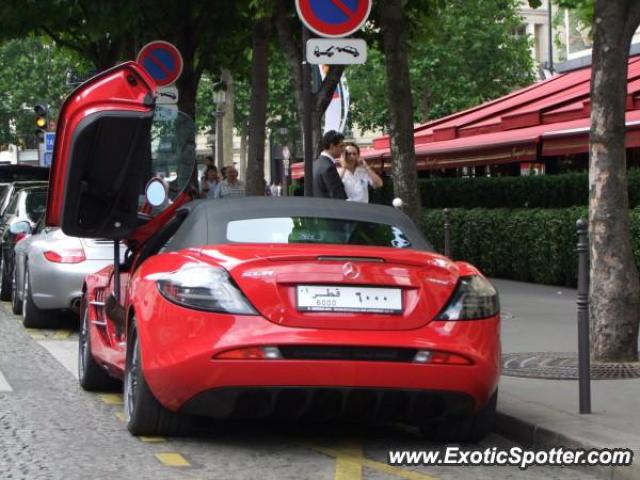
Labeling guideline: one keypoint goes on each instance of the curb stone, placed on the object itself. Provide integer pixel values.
(529, 434)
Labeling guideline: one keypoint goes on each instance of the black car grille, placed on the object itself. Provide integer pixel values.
(365, 354)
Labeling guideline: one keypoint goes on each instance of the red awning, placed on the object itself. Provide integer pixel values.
(549, 118)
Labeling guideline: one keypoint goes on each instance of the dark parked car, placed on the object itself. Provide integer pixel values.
(21, 173)
(27, 204)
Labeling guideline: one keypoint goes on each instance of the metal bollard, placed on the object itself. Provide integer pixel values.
(447, 233)
(584, 363)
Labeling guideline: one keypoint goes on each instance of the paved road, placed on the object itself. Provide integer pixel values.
(51, 429)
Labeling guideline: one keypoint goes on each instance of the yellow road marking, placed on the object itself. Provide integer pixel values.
(111, 398)
(349, 462)
(120, 416)
(372, 464)
(62, 334)
(38, 336)
(152, 439)
(172, 459)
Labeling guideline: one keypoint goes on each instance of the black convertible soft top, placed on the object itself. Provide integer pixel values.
(206, 220)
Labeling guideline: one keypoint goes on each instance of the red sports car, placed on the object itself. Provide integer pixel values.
(293, 308)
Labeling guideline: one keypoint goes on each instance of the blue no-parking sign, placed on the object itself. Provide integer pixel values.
(333, 18)
(162, 61)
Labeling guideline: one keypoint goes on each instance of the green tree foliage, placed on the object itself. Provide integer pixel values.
(102, 32)
(463, 53)
(33, 70)
(107, 32)
(281, 107)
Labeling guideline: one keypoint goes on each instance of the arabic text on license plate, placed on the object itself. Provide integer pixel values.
(349, 299)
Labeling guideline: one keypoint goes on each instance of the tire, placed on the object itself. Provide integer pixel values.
(32, 316)
(5, 279)
(91, 375)
(464, 429)
(143, 413)
(16, 301)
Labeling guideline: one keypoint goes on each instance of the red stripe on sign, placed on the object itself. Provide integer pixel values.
(160, 65)
(343, 7)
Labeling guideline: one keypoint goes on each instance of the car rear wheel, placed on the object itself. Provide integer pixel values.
(32, 316)
(91, 375)
(464, 429)
(16, 301)
(5, 279)
(143, 413)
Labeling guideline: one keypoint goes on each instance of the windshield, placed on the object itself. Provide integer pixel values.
(36, 204)
(316, 230)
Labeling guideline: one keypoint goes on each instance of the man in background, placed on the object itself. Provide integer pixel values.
(326, 181)
(231, 187)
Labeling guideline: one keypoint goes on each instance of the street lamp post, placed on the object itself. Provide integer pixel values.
(219, 98)
(286, 159)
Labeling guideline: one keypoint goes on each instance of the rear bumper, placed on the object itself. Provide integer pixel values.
(57, 285)
(317, 403)
(179, 347)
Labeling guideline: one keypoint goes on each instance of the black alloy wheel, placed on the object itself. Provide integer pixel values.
(32, 316)
(5, 277)
(143, 413)
(16, 301)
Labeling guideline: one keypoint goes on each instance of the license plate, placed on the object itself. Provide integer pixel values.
(317, 298)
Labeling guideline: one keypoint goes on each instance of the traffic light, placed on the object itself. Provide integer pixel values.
(42, 119)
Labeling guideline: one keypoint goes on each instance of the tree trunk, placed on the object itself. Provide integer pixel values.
(258, 113)
(187, 84)
(228, 119)
(242, 167)
(290, 43)
(405, 177)
(425, 101)
(615, 286)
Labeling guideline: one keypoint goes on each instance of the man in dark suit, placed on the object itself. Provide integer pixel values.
(326, 181)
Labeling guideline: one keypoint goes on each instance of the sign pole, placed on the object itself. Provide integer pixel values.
(306, 121)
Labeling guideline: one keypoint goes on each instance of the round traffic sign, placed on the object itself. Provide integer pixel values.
(162, 61)
(333, 18)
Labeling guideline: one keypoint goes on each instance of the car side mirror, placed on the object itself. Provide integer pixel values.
(156, 192)
(22, 227)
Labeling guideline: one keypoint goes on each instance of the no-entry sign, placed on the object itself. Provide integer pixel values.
(162, 61)
(333, 18)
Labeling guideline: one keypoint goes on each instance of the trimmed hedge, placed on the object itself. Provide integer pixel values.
(531, 245)
(545, 191)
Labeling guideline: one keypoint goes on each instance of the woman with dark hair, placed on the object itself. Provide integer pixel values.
(210, 182)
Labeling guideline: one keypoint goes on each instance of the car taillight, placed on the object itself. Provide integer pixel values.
(18, 237)
(70, 255)
(203, 287)
(474, 299)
